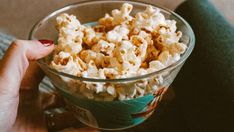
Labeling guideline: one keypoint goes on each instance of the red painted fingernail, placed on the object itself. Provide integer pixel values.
(46, 42)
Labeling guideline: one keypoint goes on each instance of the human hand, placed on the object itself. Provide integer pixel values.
(12, 70)
(21, 106)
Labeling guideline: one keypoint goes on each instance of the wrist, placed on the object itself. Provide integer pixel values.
(30, 112)
(8, 111)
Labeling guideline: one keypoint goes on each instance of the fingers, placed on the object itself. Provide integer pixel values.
(34, 74)
(38, 49)
(16, 61)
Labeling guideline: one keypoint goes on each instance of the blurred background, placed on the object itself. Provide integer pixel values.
(18, 16)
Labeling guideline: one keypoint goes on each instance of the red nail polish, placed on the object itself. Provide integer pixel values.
(46, 42)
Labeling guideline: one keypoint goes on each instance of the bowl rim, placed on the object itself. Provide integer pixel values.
(184, 56)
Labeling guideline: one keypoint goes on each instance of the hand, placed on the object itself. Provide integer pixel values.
(12, 70)
(21, 105)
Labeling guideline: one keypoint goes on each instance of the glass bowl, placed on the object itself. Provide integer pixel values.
(99, 112)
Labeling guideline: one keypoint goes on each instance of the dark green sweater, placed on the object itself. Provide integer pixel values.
(205, 86)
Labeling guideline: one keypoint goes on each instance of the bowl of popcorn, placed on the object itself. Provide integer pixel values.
(113, 60)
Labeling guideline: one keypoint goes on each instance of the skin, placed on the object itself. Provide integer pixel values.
(21, 105)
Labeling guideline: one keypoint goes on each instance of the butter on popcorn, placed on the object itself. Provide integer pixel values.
(121, 45)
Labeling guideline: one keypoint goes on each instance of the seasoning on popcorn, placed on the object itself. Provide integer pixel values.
(119, 46)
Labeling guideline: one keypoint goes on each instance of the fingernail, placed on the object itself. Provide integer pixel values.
(46, 42)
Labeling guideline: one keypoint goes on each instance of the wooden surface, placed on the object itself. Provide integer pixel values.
(18, 16)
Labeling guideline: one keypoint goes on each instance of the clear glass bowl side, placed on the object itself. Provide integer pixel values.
(101, 111)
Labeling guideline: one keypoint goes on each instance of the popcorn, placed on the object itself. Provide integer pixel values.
(141, 46)
(145, 35)
(101, 74)
(155, 66)
(92, 71)
(88, 55)
(68, 21)
(118, 17)
(97, 87)
(99, 36)
(64, 62)
(177, 48)
(107, 21)
(129, 62)
(109, 62)
(126, 91)
(141, 71)
(87, 92)
(104, 47)
(89, 35)
(110, 73)
(70, 34)
(119, 46)
(124, 51)
(99, 28)
(122, 15)
(111, 90)
(118, 34)
(168, 38)
(149, 19)
(165, 58)
(141, 87)
(152, 53)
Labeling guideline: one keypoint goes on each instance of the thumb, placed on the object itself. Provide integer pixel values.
(16, 61)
